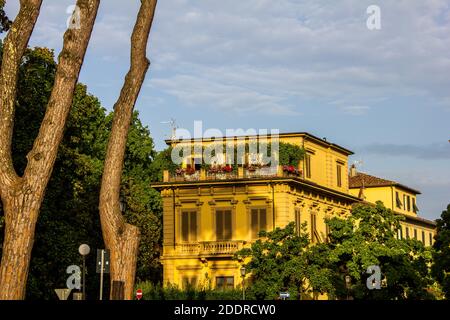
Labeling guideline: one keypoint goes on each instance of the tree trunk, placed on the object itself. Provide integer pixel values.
(122, 239)
(22, 196)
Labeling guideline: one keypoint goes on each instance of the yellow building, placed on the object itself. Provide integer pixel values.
(397, 197)
(208, 216)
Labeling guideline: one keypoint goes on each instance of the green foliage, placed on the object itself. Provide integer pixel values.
(5, 23)
(441, 257)
(280, 261)
(290, 154)
(368, 237)
(161, 162)
(172, 292)
(69, 213)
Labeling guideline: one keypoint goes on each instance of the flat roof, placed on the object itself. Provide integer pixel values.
(281, 135)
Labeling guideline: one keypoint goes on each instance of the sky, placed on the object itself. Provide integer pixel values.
(290, 65)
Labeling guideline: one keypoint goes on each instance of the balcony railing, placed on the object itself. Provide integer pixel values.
(209, 247)
(241, 173)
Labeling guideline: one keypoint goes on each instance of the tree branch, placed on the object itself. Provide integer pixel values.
(14, 48)
(111, 217)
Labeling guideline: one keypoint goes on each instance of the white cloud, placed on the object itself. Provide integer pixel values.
(356, 110)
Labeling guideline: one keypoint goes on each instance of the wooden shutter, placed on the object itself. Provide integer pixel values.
(308, 165)
(254, 223)
(185, 226)
(193, 226)
(262, 219)
(297, 221)
(227, 225)
(219, 225)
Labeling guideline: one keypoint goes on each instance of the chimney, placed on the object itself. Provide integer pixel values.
(353, 170)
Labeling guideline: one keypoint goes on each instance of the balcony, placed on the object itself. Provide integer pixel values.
(240, 173)
(209, 248)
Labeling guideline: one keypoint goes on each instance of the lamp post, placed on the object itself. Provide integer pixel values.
(348, 281)
(243, 282)
(84, 251)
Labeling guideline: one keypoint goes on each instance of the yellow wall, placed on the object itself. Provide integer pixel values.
(240, 199)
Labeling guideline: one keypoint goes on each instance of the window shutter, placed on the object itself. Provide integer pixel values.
(398, 201)
(254, 223)
(262, 219)
(193, 226)
(219, 225)
(185, 226)
(227, 225)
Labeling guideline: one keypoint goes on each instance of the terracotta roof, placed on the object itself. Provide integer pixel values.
(366, 180)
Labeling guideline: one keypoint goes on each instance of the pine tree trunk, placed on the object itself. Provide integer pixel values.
(122, 239)
(22, 196)
(18, 242)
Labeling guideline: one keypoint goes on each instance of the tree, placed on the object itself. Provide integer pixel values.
(22, 196)
(441, 266)
(280, 261)
(68, 215)
(368, 237)
(122, 238)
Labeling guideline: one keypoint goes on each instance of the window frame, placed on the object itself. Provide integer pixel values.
(225, 285)
(192, 237)
(259, 208)
(215, 223)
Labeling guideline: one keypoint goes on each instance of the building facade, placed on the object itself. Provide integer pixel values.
(209, 215)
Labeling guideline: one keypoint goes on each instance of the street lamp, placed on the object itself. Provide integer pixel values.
(348, 281)
(84, 251)
(243, 282)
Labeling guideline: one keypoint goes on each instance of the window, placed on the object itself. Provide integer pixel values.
(398, 201)
(400, 233)
(327, 229)
(407, 232)
(197, 163)
(189, 282)
(339, 175)
(415, 209)
(189, 226)
(431, 238)
(224, 283)
(258, 221)
(223, 225)
(298, 221)
(308, 165)
(408, 202)
(415, 234)
(314, 235)
(423, 237)
(404, 202)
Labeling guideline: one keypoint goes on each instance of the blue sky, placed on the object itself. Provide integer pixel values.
(291, 65)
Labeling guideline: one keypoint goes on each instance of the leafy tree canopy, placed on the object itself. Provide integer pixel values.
(280, 261)
(368, 237)
(441, 266)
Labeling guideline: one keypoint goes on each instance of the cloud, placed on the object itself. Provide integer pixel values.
(356, 110)
(430, 152)
(228, 98)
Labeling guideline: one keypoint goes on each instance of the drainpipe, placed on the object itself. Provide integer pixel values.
(173, 210)
(273, 206)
